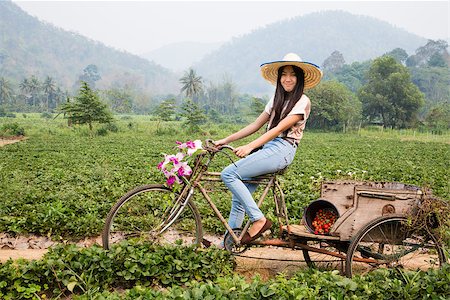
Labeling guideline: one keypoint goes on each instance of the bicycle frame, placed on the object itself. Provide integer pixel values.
(200, 175)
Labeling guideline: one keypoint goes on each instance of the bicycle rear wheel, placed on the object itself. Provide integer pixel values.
(153, 213)
(388, 242)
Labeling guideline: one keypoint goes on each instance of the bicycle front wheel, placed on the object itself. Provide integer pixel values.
(153, 213)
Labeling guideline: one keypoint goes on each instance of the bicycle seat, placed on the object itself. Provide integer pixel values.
(282, 171)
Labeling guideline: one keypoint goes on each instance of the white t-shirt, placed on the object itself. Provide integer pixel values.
(302, 107)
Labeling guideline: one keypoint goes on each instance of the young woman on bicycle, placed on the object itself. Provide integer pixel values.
(286, 114)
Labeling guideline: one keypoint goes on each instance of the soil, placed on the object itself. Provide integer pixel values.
(251, 262)
(10, 140)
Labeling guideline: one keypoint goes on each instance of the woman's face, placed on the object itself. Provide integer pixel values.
(288, 78)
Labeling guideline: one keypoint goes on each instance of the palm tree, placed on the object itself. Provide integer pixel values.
(30, 88)
(6, 91)
(192, 84)
(34, 86)
(229, 94)
(49, 88)
(24, 87)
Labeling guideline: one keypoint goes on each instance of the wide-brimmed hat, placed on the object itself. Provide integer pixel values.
(313, 74)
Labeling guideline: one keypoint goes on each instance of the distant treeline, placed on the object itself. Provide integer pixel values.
(394, 90)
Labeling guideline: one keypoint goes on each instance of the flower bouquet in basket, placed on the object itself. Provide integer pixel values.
(176, 166)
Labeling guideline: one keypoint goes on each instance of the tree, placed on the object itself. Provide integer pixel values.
(6, 91)
(31, 88)
(257, 106)
(389, 95)
(425, 53)
(353, 75)
(34, 89)
(193, 113)
(90, 75)
(192, 84)
(120, 100)
(434, 82)
(166, 109)
(437, 60)
(334, 106)
(227, 94)
(399, 54)
(439, 117)
(87, 108)
(334, 62)
(49, 88)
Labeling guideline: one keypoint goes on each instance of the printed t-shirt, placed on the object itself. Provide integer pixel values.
(302, 107)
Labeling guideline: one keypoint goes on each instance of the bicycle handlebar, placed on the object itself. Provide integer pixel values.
(209, 145)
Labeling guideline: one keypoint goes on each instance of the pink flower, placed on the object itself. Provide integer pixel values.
(194, 146)
(190, 144)
(173, 166)
(184, 169)
(171, 180)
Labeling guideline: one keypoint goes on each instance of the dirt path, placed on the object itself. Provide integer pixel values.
(10, 140)
(255, 260)
(28, 254)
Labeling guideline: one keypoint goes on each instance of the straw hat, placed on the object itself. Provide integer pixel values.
(313, 74)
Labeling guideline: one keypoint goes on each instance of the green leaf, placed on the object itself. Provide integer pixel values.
(71, 285)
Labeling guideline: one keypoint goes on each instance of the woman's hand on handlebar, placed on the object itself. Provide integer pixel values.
(220, 143)
(243, 151)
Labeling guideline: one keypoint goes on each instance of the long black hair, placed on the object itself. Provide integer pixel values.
(281, 95)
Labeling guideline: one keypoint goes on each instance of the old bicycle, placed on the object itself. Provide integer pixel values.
(370, 230)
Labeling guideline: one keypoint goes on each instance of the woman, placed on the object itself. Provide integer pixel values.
(286, 115)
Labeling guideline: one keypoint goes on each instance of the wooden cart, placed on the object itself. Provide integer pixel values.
(371, 230)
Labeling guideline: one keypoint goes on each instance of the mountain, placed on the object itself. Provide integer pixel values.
(31, 47)
(180, 56)
(314, 37)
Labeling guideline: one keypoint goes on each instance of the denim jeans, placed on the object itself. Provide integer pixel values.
(274, 156)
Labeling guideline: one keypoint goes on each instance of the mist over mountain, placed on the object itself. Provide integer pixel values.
(31, 47)
(314, 37)
(180, 56)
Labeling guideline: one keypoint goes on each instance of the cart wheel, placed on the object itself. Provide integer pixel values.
(229, 243)
(387, 242)
(322, 261)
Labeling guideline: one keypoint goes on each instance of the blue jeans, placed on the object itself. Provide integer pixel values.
(274, 156)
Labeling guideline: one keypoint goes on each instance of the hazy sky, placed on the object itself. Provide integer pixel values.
(141, 26)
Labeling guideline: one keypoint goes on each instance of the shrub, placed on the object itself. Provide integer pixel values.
(11, 129)
(46, 115)
(112, 127)
(102, 131)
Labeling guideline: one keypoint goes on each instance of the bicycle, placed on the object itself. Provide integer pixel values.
(159, 214)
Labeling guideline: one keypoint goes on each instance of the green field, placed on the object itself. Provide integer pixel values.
(62, 181)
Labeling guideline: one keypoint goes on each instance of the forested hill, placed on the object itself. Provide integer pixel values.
(31, 47)
(314, 37)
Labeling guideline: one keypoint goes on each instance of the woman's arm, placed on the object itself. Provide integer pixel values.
(246, 131)
(284, 124)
